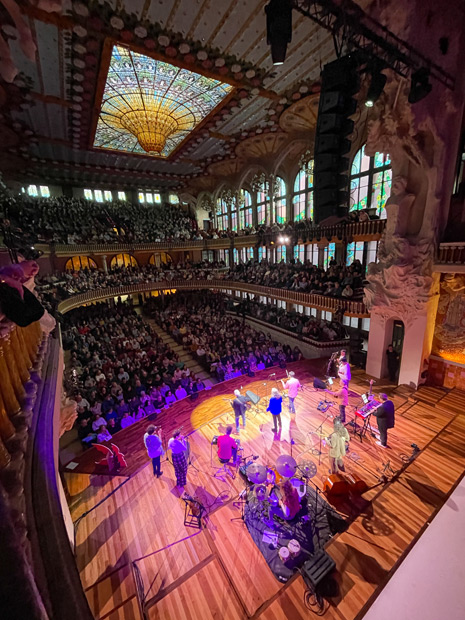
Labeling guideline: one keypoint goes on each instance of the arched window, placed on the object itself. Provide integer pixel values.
(160, 257)
(123, 260)
(80, 262)
(280, 200)
(303, 193)
(263, 204)
(245, 209)
(221, 214)
(370, 182)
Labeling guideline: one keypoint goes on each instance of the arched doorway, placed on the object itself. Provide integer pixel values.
(123, 260)
(159, 258)
(76, 263)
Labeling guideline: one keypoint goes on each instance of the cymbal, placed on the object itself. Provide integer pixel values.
(256, 473)
(307, 468)
(286, 465)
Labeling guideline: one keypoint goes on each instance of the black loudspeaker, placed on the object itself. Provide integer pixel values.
(340, 81)
(318, 384)
(318, 567)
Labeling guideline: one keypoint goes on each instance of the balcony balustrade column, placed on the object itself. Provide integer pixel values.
(7, 392)
(104, 263)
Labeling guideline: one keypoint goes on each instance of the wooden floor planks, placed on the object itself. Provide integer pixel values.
(189, 574)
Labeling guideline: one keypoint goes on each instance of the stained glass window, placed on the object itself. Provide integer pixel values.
(302, 199)
(263, 205)
(88, 194)
(123, 260)
(222, 218)
(121, 195)
(149, 198)
(236, 256)
(149, 106)
(108, 195)
(173, 198)
(98, 195)
(76, 263)
(280, 201)
(157, 198)
(261, 253)
(32, 191)
(370, 182)
(330, 251)
(44, 191)
(141, 197)
(281, 251)
(249, 253)
(245, 209)
(299, 252)
(354, 251)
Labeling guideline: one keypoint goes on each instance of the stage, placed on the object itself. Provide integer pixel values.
(136, 535)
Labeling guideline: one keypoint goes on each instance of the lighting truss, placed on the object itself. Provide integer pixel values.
(352, 27)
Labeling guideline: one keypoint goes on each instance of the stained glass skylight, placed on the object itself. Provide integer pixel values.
(149, 107)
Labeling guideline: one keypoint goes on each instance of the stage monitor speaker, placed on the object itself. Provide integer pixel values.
(318, 384)
(319, 566)
(254, 398)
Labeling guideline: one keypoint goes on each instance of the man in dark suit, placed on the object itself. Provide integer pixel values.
(385, 418)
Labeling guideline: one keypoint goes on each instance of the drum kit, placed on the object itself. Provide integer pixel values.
(265, 492)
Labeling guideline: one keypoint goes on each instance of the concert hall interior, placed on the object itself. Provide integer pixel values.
(232, 309)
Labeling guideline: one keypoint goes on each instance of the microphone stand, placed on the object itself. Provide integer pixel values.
(318, 430)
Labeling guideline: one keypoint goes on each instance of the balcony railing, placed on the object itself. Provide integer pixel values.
(451, 253)
(355, 231)
(320, 302)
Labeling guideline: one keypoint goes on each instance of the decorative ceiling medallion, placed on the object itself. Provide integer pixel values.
(150, 107)
(226, 168)
(301, 115)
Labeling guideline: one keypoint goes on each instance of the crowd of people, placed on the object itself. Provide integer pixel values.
(342, 281)
(223, 344)
(119, 371)
(76, 220)
(68, 220)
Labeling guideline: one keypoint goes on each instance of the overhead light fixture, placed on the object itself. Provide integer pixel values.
(420, 86)
(278, 28)
(378, 82)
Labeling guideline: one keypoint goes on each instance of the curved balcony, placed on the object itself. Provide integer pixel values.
(354, 231)
(330, 304)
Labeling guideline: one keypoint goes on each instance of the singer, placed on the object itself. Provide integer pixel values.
(293, 385)
(154, 447)
(178, 446)
(344, 372)
(275, 407)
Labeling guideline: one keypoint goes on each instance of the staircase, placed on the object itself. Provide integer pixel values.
(184, 356)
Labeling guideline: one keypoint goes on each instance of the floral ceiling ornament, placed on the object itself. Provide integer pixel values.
(229, 197)
(306, 161)
(258, 182)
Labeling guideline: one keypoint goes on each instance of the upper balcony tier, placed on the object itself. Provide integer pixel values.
(354, 231)
(451, 257)
(330, 304)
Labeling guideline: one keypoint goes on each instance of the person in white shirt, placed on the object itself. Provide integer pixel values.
(344, 372)
(154, 447)
(127, 420)
(98, 422)
(292, 385)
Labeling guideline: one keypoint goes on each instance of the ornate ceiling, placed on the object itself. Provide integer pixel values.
(50, 112)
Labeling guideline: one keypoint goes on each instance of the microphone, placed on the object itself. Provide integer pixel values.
(273, 375)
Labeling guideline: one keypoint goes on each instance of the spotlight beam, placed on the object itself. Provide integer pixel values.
(362, 32)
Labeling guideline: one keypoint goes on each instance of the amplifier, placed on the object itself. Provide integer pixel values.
(318, 567)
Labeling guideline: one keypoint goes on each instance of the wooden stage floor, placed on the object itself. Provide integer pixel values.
(135, 534)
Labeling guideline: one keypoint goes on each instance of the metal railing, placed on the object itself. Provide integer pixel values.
(372, 229)
(320, 302)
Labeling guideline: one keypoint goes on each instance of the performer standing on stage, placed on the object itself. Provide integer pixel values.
(385, 419)
(293, 385)
(239, 404)
(343, 394)
(337, 447)
(227, 447)
(154, 447)
(275, 407)
(178, 446)
(344, 372)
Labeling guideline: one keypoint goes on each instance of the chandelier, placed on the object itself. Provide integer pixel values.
(154, 121)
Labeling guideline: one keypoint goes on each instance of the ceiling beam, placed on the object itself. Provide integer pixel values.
(51, 99)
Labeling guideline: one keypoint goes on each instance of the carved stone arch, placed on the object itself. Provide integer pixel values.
(250, 171)
(291, 153)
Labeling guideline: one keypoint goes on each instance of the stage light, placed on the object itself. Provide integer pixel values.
(420, 86)
(378, 81)
(278, 28)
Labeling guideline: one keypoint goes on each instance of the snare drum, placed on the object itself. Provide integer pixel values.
(260, 492)
(284, 554)
(294, 548)
(272, 476)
